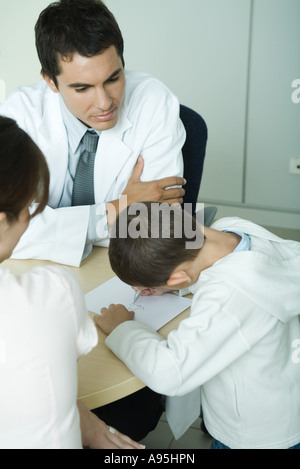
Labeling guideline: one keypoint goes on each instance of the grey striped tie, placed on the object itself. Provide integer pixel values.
(83, 188)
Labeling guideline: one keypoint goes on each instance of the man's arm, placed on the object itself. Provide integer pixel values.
(160, 190)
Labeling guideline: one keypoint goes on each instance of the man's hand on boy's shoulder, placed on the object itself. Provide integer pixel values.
(112, 317)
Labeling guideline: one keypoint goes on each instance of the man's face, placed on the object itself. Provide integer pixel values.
(92, 88)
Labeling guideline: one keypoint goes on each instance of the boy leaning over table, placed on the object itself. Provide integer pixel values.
(237, 345)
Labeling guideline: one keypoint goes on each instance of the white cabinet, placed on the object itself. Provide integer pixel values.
(270, 194)
(199, 48)
(234, 62)
(273, 133)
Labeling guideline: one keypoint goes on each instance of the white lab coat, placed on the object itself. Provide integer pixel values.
(238, 345)
(148, 125)
(44, 328)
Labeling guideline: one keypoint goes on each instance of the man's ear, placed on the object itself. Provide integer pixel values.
(177, 277)
(50, 83)
(3, 224)
(2, 216)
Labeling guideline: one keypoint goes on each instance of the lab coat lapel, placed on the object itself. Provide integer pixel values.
(58, 166)
(112, 154)
(54, 144)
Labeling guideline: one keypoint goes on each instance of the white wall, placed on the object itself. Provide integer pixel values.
(19, 64)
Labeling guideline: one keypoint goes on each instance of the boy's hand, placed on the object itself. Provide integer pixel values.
(112, 317)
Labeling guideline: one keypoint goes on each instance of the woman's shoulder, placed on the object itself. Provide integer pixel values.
(47, 284)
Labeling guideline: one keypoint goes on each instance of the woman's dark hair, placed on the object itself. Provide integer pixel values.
(24, 174)
(66, 27)
(149, 240)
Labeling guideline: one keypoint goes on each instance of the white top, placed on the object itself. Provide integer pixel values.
(148, 125)
(44, 328)
(238, 344)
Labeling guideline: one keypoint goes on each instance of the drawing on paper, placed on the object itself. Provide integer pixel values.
(135, 307)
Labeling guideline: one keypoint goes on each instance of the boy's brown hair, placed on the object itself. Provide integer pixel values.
(145, 248)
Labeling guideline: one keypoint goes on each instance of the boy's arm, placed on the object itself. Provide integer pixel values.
(204, 344)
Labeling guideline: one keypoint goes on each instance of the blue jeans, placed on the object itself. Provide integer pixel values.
(218, 445)
(215, 444)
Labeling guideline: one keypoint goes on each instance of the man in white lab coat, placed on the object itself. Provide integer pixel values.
(85, 87)
(138, 154)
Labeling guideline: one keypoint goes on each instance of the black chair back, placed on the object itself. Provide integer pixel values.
(193, 153)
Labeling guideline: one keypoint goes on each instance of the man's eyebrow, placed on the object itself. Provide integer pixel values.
(79, 85)
(87, 85)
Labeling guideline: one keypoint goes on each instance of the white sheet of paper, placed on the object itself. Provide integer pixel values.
(154, 311)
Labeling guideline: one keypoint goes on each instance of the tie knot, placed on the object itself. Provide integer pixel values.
(90, 141)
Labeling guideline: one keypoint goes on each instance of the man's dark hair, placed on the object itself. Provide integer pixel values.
(85, 27)
(148, 260)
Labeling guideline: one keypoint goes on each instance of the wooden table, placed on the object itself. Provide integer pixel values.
(102, 377)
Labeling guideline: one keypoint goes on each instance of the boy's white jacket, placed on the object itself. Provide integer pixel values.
(238, 344)
(148, 124)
